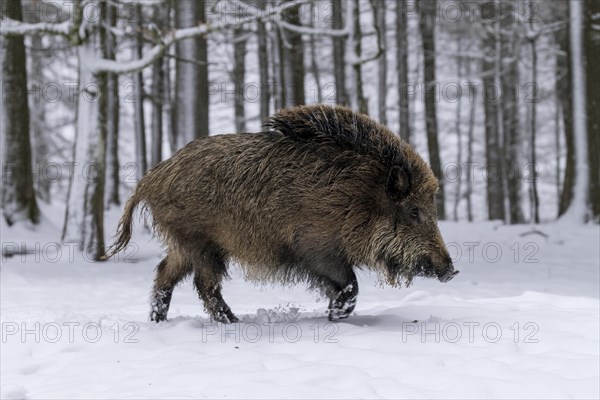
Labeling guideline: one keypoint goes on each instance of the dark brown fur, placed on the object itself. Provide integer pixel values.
(326, 191)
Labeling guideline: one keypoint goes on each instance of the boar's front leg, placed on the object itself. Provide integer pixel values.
(343, 298)
(207, 280)
(341, 287)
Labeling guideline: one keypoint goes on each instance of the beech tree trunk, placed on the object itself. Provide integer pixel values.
(84, 218)
(339, 54)
(190, 113)
(292, 58)
(402, 69)
(427, 27)
(592, 55)
(18, 195)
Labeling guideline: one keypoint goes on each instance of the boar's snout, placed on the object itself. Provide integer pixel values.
(447, 272)
(444, 270)
(447, 276)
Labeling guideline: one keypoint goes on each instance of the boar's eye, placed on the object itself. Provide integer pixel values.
(414, 214)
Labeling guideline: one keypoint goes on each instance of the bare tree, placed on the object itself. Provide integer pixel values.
(314, 64)
(112, 113)
(578, 210)
(263, 64)
(278, 87)
(339, 54)
(239, 78)
(470, 139)
(139, 118)
(37, 107)
(426, 23)
(382, 65)
(18, 195)
(592, 54)
(190, 114)
(157, 91)
(533, 191)
(292, 59)
(84, 217)
(564, 89)
(360, 101)
(490, 71)
(509, 81)
(459, 134)
(402, 69)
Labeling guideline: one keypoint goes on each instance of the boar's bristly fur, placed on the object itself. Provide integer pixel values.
(325, 191)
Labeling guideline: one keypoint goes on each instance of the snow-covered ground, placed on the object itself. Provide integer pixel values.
(520, 320)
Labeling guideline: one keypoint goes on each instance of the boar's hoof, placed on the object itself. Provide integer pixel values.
(155, 316)
(220, 312)
(160, 306)
(226, 318)
(343, 304)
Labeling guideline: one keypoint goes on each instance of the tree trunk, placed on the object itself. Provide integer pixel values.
(239, 78)
(563, 83)
(533, 192)
(339, 54)
(402, 69)
(263, 66)
(592, 54)
(382, 65)
(18, 195)
(360, 102)
(458, 129)
(138, 102)
(293, 60)
(469, 165)
(157, 91)
(314, 62)
(112, 115)
(37, 109)
(427, 27)
(509, 81)
(84, 219)
(491, 97)
(167, 96)
(278, 87)
(190, 114)
(557, 142)
(578, 210)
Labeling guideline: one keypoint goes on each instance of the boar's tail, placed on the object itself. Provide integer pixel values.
(124, 227)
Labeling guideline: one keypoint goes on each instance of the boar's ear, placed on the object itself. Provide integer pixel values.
(398, 183)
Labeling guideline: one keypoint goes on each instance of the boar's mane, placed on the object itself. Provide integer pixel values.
(339, 126)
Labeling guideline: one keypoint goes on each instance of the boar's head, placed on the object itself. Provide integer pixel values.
(407, 236)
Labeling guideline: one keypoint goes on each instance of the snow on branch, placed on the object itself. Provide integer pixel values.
(10, 27)
(305, 30)
(98, 65)
(120, 67)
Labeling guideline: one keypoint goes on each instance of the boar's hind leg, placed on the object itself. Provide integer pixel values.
(342, 296)
(168, 275)
(207, 280)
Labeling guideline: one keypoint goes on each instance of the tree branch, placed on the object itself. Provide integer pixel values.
(306, 30)
(120, 67)
(98, 65)
(10, 27)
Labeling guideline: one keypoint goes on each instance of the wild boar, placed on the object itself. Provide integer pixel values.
(323, 192)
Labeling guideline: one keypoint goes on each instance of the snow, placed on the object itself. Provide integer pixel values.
(520, 320)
